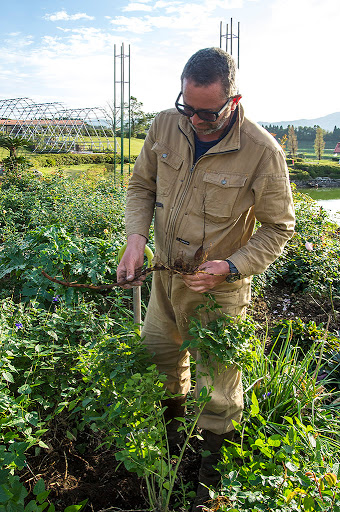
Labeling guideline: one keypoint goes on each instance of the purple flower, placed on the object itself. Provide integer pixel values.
(266, 395)
(19, 325)
(56, 298)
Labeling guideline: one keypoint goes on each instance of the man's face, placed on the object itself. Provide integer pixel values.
(211, 97)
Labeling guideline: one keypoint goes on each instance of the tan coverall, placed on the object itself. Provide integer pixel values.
(210, 208)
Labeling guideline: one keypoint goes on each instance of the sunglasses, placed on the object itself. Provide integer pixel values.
(204, 114)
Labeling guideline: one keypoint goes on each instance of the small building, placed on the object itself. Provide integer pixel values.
(337, 150)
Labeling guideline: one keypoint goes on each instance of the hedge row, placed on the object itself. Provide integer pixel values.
(290, 160)
(56, 159)
(315, 170)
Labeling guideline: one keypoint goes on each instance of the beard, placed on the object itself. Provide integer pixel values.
(210, 127)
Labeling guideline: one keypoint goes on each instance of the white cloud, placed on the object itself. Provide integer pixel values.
(64, 29)
(184, 16)
(163, 4)
(134, 6)
(20, 42)
(63, 16)
(133, 24)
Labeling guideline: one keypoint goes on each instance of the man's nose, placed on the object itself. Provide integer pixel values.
(195, 119)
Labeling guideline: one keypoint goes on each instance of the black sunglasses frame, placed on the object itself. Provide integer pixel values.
(180, 107)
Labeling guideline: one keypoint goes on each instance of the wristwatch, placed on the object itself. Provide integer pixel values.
(234, 273)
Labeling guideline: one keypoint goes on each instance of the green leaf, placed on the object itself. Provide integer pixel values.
(309, 503)
(292, 467)
(70, 436)
(39, 487)
(53, 335)
(254, 408)
(75, 508)
(25, 390)
(8, 377)
(274, 440)
(5, 493)
(32, 418)
(41, 497)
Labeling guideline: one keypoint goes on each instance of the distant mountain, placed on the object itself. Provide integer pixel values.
(326, 122)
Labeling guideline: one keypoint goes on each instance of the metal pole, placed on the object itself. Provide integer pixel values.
(122, 115)
(226, 37)
(238, 46)
(231, 36)
(137, 306)
(114, 116)
(220, 34)
(129, 113)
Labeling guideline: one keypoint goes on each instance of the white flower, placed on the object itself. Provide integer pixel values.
(309, 246)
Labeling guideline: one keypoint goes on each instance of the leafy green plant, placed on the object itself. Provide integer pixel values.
(303, 334)
(58, 253)
(226, 340)
(278, 472)
(81, 207)
(285, 383)
(310, 260)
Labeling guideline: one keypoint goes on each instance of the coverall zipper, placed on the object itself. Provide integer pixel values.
(173, 220)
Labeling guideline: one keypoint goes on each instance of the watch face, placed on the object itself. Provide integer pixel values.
(231, 278)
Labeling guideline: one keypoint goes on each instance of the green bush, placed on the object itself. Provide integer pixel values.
(298, 175)
(310, 261)
(319, 170)
(60, 159)
(85, 209)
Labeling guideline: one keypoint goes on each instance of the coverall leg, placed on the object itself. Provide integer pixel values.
(166, 325)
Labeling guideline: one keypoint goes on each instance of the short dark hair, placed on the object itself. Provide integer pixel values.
(210, 65)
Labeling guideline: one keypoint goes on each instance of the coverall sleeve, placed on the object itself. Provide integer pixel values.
(274, 209)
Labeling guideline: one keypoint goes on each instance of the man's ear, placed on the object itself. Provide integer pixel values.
(236, 101)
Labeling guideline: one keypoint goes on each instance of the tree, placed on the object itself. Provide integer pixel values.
(292, 141)
(12, 144)
(140, 121)
(319, 143)
(14, 162)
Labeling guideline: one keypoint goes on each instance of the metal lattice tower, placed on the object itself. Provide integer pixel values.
(121, 79)
(229, 37)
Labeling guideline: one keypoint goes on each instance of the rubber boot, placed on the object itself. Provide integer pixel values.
(175, 408)
(208, 476)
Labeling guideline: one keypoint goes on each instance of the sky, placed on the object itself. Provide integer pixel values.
(63, 51)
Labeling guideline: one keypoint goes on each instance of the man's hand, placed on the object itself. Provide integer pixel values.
(208, 275)
(132, 259)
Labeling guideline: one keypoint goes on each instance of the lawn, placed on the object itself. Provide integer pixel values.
(307, 148)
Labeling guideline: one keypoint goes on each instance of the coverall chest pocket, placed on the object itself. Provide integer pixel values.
(220, 194)
(168, 166)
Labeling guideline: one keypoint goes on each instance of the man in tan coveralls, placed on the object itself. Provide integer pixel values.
(207, 173)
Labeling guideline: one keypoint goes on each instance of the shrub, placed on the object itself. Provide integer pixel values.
(319, 170)
(86, 210)
(61, 159)
(310, 261)
(298, 175)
